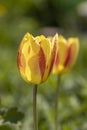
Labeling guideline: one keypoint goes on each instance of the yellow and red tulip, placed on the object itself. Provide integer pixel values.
(36, 57)
(67, 54)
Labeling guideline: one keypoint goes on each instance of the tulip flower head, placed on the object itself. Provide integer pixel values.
(36, 57)
(67, 55)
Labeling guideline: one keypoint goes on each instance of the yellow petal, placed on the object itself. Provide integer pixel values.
(21, 64)
(46, 47)
(34, 70)
(74, 43)
(30, 48)
(67, 55)
(51, 57)
(62, 49)
(39, 38)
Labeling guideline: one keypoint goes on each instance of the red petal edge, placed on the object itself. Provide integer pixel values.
(68, 55)
(21, 61)
(42, 61)
(53, 57)
(18, 60)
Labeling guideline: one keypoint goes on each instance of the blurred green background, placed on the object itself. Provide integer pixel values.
(67, 17)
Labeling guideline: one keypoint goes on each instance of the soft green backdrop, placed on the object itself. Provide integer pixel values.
(41, 17)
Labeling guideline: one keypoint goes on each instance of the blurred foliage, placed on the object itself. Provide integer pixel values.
(16, 18)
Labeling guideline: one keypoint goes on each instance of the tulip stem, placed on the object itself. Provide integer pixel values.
(35, 118)
(56, 102)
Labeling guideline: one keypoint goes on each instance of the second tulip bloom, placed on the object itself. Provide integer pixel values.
(66, 55)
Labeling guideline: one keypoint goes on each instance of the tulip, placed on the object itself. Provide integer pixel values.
(35, 60)
(36, 57)
(67, 55)
(65, 60)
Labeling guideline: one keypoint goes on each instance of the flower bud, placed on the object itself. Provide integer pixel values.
(36, 57)
(66, 55)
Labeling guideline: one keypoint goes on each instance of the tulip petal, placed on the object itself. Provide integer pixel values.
(42, 62)
(60, 59)
(52, 56)
(74, 42)
(30, 48)
(40, 38)
(67, 56)
(33, 70)
(54, 51)
(72, 54)
(46, 47)
(62, 49)
(21, 64)
(30, 45)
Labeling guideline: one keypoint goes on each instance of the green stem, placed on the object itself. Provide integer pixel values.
(35, 118)
(56, 102)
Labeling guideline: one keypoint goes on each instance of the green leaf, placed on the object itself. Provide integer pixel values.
(13, 115)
